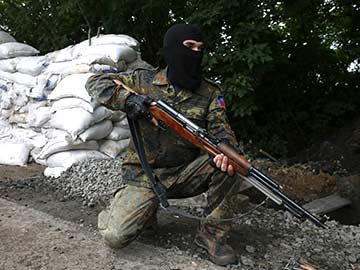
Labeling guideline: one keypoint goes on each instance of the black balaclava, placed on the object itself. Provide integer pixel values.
(184, 64)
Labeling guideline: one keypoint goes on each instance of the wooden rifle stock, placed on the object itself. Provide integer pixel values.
(239, 163)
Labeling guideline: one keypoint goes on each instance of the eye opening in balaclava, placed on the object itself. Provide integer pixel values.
(184, 64)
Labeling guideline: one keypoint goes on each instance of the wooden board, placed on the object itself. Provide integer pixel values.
(326, 204)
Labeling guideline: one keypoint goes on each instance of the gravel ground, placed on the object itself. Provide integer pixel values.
(265, 239)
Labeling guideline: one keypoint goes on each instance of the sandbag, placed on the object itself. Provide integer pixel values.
(76, 120)
(14, 153)
(118, 39)
(16, 49)
(5, 37)
(119, 133)
(114, 53)
(67, 68)
(118, 116)
(60, 145)
(54, 172)
(28, 137)
(97, 131)
(71, 86)
(19, 78)
(38, 117)
(70, 103)
(68, 158)
(18, 118)
(114, 148)
(61, 55)
(32, 65)
(9, 65)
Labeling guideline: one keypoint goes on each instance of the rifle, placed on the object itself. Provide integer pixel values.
(168, 116)
(165, 115)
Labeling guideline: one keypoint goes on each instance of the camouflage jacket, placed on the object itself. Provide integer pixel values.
(164, 148)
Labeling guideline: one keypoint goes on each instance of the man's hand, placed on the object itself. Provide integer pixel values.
(141, 109)
(136, 106)
(222, 162)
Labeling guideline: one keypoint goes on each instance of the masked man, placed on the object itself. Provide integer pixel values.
(182, 169)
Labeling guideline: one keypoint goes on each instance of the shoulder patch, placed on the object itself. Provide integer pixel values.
(221, 102)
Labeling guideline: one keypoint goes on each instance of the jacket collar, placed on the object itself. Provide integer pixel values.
(160, 78)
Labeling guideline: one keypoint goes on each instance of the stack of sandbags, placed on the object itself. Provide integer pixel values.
(50, 112)
(15, 146)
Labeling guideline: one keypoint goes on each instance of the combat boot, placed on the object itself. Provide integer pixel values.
(213, 240)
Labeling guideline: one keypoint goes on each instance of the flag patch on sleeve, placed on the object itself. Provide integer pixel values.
(221, 102)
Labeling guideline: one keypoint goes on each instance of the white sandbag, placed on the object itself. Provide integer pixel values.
(5, 37)
(14, 153)
(71, 86)
(32, 65)
(19, 99)
(33, 105)
(28, 137)
(38, 117)
(58, 134)
(113, 52)
(101, 113)
(54, 172)
(58, 67)
(97, 131)
(68, 158)
(76, 120)
(85, 64)
(122, 122)
(114, 148)
(18, 89)
(4, 113)
(9, 65)
(118, 116)
(36, 92)
(6, 100)
(118, 39)
(19, 78)
(18, 118)
(4, 127)
(70, 103)
(16, 49)
(99, 68)
(62, 55)
(47, 82)
(3, 86)
(119, 133)
(67, 68)
(60, 145)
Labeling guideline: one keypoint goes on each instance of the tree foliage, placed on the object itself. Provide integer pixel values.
(283, 65)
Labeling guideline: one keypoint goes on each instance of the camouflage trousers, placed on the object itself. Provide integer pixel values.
(134, 206)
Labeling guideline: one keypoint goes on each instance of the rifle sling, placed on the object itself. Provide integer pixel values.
(158, 188)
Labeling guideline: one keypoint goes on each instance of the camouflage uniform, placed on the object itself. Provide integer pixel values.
(181, 167)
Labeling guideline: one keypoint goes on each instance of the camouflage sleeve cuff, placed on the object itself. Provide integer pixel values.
(103, 90)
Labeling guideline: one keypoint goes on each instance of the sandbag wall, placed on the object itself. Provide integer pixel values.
(46, 114)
